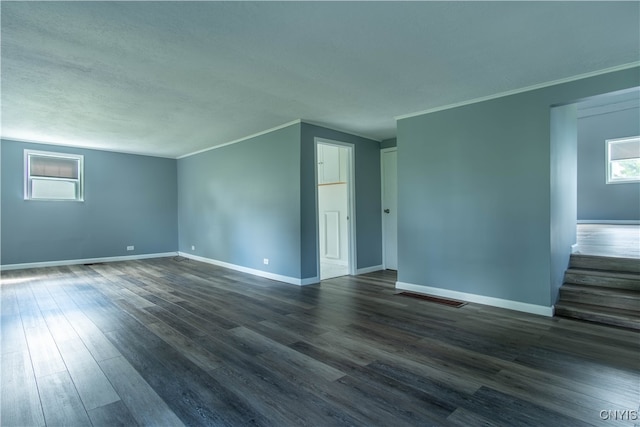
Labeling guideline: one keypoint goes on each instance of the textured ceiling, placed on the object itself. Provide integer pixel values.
(171, 78)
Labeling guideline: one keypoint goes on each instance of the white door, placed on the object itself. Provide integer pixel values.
(390, 208)
(334, 206)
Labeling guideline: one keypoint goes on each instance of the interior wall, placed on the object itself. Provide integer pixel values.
(367, 198)
(473, 200)
(129, 200)
(389, 143)
(240, 203)
(564, 191)
(474, 192)
(597, 200)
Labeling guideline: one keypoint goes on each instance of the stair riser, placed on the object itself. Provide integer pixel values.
(602, 290)
(611, 301)
(602, 281)
(598, 318)
(605, 263)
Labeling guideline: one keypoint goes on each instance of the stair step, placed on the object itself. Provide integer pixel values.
(599, 296)
(593, 262)
(591, 313)
(608, 279)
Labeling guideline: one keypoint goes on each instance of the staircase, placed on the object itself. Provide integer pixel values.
(602, 290)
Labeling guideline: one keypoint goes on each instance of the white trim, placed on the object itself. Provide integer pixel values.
(371, 269)
(348, 132)
(182, 156)
(309, 281)
(521, 90)
(84, 147)
(610, 221)
(575, 248)
(253, 271)
(244, 138)
(479, 299)
(84, 261)
(382, 176)
(607, 157)
(28, 179)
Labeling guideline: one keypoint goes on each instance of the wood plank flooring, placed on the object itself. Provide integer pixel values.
(176, 342)
(612, 240)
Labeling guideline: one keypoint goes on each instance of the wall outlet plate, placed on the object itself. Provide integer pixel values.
(130, 248)
(266, 261)
(193, 247)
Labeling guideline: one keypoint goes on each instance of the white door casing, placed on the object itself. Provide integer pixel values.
(389, 165)
(335, 207)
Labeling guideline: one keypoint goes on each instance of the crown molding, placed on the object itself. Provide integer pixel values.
(244, 138)
(521, 90)
(83, 147)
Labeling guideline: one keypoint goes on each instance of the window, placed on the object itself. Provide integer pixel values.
(53, 176)
(623, 160)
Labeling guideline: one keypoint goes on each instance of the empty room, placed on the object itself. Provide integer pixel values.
(320, 213)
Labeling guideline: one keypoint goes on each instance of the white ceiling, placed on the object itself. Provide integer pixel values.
(171, 78)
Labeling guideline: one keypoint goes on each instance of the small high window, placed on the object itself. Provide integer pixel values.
(623, 160)
(53, 176)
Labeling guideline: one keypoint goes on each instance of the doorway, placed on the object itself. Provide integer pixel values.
(334, 191)
(389, 162)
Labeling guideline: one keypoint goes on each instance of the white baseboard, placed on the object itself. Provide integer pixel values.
(255, 272)
(371, 269)
(574, 248)
(84, 261)
(309, 281)
(480, 299)
(610, 221)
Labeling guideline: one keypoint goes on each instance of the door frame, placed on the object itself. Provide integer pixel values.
(351, 205)
(382, 196)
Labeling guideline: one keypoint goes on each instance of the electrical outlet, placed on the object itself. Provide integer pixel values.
(266, 261)
(130, 248)
(193, 247)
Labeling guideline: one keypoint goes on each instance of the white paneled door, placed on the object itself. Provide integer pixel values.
(334, 209)
(390, 208)
(332, 235)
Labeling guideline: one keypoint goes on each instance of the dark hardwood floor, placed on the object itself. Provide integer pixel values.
(173, 342)
(611, 240)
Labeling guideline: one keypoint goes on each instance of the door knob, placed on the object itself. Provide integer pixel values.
(386, 211)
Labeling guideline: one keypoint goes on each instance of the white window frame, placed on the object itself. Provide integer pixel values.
(28, 179)
(607, 147)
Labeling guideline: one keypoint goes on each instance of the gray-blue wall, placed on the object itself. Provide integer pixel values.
(241, 203)
(389, 143)
(598, 200)
(238, 204)
(474, 192)
(255, 199)
(129, 200)
(368, 202)
(564, 190)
